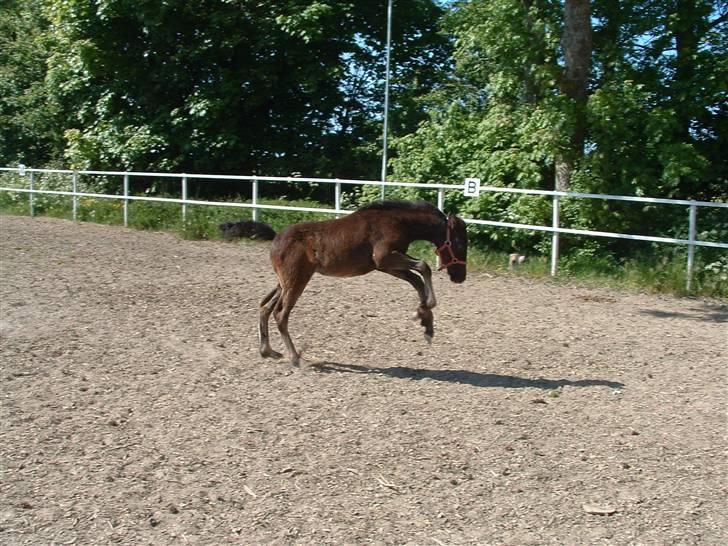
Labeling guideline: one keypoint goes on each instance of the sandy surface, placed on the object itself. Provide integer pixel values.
(136, 410)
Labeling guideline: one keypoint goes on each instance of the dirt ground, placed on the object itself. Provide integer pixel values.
(136, 410)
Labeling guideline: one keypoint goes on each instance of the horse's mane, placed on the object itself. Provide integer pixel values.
(419, 206)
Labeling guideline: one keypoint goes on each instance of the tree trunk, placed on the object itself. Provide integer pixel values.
(576, 43)
(685, 19)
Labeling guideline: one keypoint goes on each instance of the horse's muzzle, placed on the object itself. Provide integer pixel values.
(457, 273)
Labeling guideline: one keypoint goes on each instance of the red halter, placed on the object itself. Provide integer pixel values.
(447, 247)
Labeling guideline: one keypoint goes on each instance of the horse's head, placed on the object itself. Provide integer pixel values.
(453, 252)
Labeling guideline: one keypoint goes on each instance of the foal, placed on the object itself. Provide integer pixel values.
(375, 237)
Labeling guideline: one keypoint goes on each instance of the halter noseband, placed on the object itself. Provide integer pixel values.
(447, 247)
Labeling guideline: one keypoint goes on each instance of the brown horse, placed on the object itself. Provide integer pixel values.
(375, 237)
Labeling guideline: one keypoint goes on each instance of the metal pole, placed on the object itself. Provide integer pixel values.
(126, 201)
(255, 200)
(337, 197)
(74, 188)
(386, 97)
(555, 234)
(184, 198)
(30, 195)
(441, 206)
(691, 245)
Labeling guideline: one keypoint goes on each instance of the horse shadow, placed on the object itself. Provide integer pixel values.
(705, 313)
(464, 377)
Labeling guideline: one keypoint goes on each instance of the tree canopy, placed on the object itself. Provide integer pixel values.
(270, 87)
(611, 96)
(651, 119)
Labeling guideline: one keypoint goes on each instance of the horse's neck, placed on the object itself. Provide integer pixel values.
(429, 227)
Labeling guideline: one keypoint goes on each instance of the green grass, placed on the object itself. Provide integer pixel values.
(647, 273)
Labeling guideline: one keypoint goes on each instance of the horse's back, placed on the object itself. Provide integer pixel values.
(339, 248)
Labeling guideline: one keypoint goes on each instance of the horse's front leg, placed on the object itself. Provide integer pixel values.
(396, 261)
(424, 313)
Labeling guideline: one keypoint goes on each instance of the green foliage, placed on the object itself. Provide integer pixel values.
(714, 276)
(30, 122)
(655, 114)
(108, 144)
(234, 86)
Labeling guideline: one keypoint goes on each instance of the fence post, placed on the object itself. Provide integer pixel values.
(74, 189)
(440, 206)
(556, 208)
(255, 199)
(691, 245)
(337, 197)
(30, 195)
(126, 201)
(184, 200)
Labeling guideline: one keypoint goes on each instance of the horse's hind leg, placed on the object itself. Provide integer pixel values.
(266, 308)
(288, 299)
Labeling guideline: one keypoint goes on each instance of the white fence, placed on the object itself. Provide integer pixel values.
(555, 229)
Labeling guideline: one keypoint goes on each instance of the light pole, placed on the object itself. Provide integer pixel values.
(386, 97)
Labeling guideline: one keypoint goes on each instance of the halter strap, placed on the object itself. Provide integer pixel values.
(446, 247)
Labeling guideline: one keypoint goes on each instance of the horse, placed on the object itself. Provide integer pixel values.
(373, 238)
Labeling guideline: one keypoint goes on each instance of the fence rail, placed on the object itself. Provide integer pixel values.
(555, 229)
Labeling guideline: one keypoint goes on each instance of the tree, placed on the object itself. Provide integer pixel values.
(612, 96)
(236, 86)
(576, 44)
(500, 116)
(30, 123)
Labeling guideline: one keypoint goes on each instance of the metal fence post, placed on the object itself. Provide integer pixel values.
(126, 201)
(30, 195)
(255, 200)
(440, 206)
(74, 189)
(691, 245)
(337, 197)
(184, 199)
(556, 208)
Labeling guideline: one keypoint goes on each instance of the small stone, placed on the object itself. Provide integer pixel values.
(599, 510)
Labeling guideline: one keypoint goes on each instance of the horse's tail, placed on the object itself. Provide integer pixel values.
(249, 229)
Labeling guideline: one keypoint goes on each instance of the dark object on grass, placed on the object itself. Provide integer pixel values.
(248, 229)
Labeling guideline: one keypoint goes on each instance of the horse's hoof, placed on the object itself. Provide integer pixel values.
(270, 353)
(428, 338)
